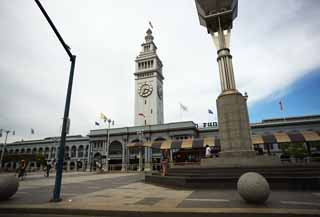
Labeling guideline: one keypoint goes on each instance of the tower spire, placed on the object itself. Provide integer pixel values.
(149, 36)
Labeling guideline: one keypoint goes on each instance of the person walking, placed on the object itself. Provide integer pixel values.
(22, 169)
(48, 168)
(208, 151)
(164, 162)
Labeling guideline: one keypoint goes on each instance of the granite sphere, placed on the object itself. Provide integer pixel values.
(8, 186)
(253, 188)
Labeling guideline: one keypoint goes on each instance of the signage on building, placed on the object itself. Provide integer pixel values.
(208, 124)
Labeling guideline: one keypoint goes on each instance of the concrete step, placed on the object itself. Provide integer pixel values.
(278, 182)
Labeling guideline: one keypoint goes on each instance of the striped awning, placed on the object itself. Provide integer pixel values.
(178, 144)
(307, 136)
(257, 139)
(311, 136)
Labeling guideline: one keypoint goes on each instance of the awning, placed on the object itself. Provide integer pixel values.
(311, 136)
(306, 136)
(178, 144)
(282, 137)
(257, 139)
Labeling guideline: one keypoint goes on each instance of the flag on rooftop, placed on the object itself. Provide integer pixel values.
(210, 111)
(281, 106)
(183, 107)
(103, 117)
(150, 24)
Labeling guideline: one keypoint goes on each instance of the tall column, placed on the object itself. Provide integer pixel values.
(123, 166)
(147, 164)
(107, 156)
(226, 70)
(140, 159)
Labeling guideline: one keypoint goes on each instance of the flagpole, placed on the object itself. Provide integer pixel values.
(284, 118)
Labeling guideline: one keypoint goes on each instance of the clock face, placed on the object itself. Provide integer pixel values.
(145, 90)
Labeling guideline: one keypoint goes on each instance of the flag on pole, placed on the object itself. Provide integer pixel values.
(150, 24)
(281, 106)
(97, 123)
(141, 114)
(183, 107)
(103, 117)
(32, 131)
(210, 111)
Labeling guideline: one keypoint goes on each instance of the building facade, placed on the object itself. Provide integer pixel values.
(139, 147)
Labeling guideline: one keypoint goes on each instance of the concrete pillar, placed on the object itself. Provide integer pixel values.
(11, 166)
(68, 166)
(140, 159)
(70, 151)
(170, 157)
(107, 157)
(77, 152)
(123, 167)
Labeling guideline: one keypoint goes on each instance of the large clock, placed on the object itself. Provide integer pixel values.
(145, 90)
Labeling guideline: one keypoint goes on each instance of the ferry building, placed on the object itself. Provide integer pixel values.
(139, 147)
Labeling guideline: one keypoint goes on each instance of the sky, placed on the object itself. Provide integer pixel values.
(275, 48)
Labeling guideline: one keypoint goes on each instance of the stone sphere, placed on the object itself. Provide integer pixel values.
(253, 188)
(8, 186)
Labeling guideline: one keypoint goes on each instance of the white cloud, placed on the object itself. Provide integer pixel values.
(273, 45)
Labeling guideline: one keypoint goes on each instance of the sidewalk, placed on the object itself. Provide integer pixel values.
(128, 195)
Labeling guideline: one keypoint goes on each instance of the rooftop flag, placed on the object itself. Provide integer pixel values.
(183, 107)
(210, 111)
(281, 106)
(103, 117)
(150, 24)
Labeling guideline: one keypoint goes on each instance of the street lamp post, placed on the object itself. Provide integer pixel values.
(140, 134)
(59, 169)
(234, 129)
(4, 147)
(106, 149)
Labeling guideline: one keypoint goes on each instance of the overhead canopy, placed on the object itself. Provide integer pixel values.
(177, 144)
(307, 136)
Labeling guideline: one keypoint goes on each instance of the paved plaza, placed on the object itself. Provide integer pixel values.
(101, 194)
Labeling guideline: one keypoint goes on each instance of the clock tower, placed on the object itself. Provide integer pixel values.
(148, 85)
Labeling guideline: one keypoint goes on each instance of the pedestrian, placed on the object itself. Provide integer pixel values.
(48, 168)
(164, 162)
(22, 169)
(208, 151)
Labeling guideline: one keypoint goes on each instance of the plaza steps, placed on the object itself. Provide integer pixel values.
(197, 177)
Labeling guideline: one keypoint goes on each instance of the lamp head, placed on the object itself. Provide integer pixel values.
(210, 10)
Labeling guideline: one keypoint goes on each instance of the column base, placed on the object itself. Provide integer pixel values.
(234, 128)
(238, 154)
(241, 161)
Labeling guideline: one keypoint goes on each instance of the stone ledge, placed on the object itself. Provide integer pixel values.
(238, 161)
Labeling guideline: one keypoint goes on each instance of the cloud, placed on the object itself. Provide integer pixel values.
(273, 45)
